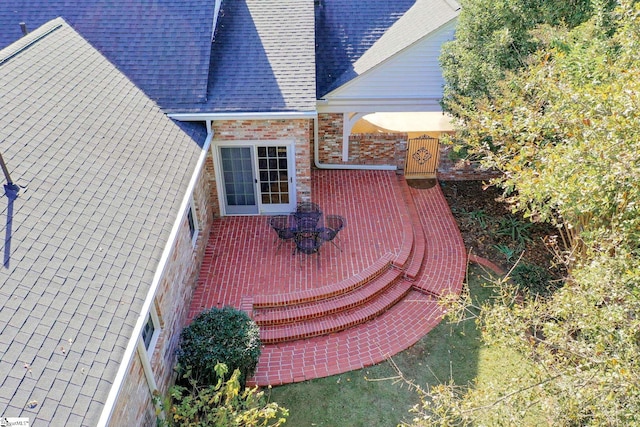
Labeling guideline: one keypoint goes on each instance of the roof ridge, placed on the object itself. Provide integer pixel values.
(454, 4)
(30, 39)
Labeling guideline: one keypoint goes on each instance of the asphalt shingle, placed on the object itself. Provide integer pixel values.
(97, 157)
(162, 45)
(262, 58)
(351, 39)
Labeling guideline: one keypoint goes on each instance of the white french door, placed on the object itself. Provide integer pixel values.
(257, 178)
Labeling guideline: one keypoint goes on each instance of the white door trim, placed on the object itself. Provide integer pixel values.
(217, 164)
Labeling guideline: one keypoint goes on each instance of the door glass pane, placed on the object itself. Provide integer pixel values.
(238, 177)
(273, 169)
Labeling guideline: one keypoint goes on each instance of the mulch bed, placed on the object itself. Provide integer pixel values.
(478, 209)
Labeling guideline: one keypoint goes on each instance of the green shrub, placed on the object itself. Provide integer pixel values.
(515, 228)
(507, 251)
(480, 217)
(223, 403)
(533, 279)
(215, 336)
(459, 152)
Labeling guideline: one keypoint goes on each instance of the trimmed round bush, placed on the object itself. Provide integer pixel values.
(219, 335)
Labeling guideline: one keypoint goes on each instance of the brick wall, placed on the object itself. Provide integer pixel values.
(298, 130)
(460, 170)
(330, 138)
(387, 148)
(134, 406)
(364, 149)
(211, 178)
(377, 148)
(178, 282)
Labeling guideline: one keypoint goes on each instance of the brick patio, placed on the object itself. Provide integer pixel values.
(400, 249)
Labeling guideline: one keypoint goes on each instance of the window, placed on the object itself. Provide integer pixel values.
(151, 331)
(193, 223)
(147, 332)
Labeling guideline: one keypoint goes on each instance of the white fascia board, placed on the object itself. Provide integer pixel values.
(147, 305)
(216, 12)
(379, 105)
(284, 115)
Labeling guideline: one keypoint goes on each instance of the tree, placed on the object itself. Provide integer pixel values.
(494, 36)
(223, 404)
(565, 132)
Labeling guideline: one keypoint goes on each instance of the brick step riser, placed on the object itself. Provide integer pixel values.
(274, 301)
(329, 306)
(417, 257)
(346, 321)
(427, 292)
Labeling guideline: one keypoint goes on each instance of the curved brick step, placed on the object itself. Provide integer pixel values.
(369, 274)
(416, 262)
(336, 322)
(445, 254)
(363, 345)
(312, 310)
(403, 258)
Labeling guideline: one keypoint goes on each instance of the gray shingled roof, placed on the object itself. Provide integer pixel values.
(162, 45)
(262, 58)
(352, 38)
(105, 172)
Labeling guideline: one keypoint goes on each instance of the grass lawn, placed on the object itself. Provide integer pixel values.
(374, 397)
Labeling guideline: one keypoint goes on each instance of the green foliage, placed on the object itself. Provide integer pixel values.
(564, 130)
(580, 349)
(494, 37)
(458, 152)
(480, 217)
(216, 336)
(533, 279)
(506, 251)
(514, 228)
(222, 404)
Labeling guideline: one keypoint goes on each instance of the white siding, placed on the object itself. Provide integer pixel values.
(412, 74)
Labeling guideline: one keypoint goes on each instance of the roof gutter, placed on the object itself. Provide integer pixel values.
(278, 115)
(190, 117)
(132, 346)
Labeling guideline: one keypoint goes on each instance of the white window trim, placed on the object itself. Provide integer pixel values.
(156, 332)
(196, 225)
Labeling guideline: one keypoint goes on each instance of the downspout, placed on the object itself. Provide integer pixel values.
(316, 156)
(134, 340)
(274, 116)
